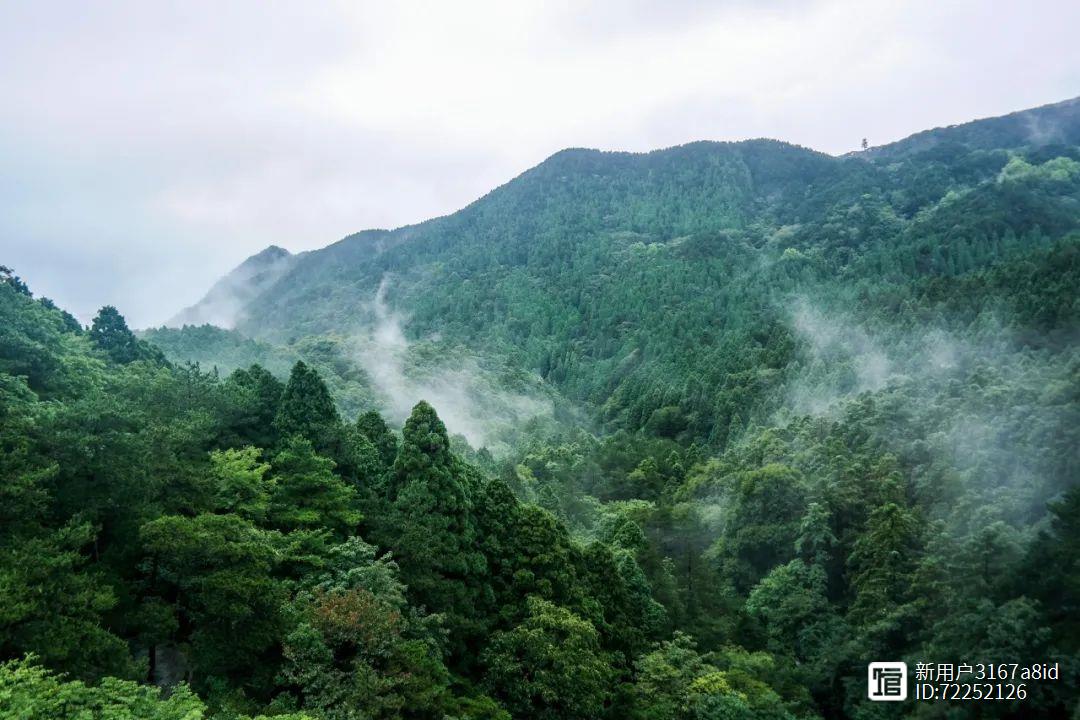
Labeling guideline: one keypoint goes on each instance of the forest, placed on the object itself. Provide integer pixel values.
(687, 435)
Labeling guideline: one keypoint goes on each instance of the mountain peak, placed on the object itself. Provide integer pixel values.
(223, 305)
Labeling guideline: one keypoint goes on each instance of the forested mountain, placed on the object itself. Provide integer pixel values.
(687, 435)
(635, 282)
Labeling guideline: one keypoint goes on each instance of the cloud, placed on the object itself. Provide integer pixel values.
(146, 148)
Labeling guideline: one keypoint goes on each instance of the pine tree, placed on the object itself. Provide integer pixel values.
(307, 495)
(257, 395)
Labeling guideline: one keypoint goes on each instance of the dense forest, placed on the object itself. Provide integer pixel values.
(723, 424)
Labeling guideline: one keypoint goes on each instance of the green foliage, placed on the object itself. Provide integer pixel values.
(307, 494)
(433, 533)
(215, 572)
(54, 605)
(358, 651)
(550, 666)
(29, 692)
(255, 397)
(110, 333)
(372, 426)
(306, 408)
(240, 482)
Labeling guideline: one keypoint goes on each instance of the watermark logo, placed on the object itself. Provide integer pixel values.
(886, 681)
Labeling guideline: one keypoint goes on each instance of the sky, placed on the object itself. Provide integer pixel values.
(148, 147)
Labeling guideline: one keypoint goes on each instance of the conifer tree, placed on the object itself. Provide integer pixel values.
(372, 426)
(257, 395)
(307, 409)
(110, 333)
(434, 535)
(307, 495)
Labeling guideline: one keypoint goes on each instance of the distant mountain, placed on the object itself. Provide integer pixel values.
(1055, 124)
(226, 301)
(665, 286)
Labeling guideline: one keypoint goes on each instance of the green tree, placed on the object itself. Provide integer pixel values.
(307, 495)
(549, 667)
(763, 522)
(307, 409)
(110, 333)
(372, 426)
(29, 692)
(53, 603)
(240, 484)
(358, 651)
(216, 571)
(255, 395)
(434, 536)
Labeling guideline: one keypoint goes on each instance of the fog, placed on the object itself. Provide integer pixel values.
(468, 396)
(992, 407)
(224, 305)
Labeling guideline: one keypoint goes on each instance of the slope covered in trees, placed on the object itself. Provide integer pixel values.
(633, 283)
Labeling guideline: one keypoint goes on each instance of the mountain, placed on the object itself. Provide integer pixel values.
(225, 302)
(1048, 125)
(671, 284)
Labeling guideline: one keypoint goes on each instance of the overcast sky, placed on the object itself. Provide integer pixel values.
(148, 147)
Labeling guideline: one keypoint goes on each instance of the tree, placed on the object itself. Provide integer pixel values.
(372, 426)
(550, 667)
(29, 692)
(358, 649)
(255, 395)
(240, 484)
(53, 604)
(763, 522)
(307, 409)
(1052, 568)
(790, 600)
(307, 495)
(434, 537)
(664, 677)
(882, 561)
(9, 278)
(110, 333)
(216, 571)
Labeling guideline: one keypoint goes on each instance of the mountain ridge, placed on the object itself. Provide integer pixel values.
(916, 142)
(635, 282)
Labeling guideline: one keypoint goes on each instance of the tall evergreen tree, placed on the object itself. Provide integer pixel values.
(307, 409)
(372, 426)
(434, 532)
(257, 397)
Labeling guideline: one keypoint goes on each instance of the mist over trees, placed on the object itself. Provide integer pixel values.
(800, 413)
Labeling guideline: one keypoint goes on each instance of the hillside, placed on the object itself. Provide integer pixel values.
(633, 283)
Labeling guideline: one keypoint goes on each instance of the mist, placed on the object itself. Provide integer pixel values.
(469, 397)
(991, 409)
(224, 304)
